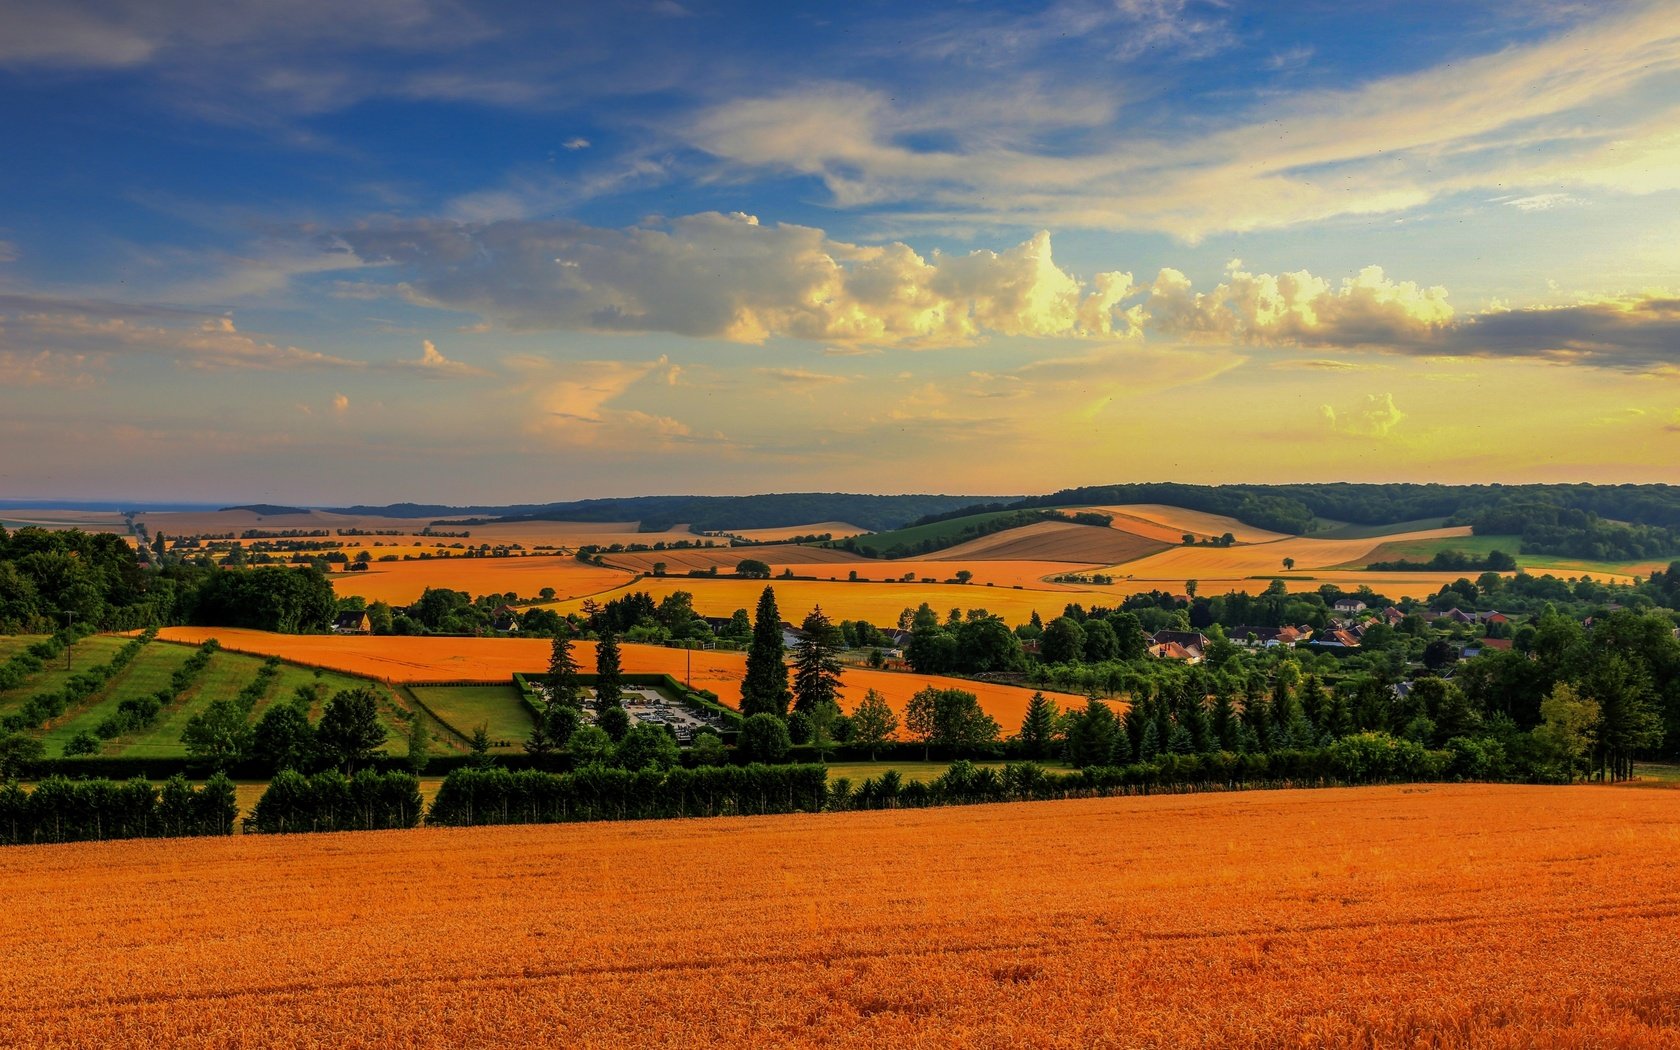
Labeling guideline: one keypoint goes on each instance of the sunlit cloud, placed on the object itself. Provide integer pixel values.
(1375, 417)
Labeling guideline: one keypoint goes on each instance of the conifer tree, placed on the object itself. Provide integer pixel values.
(609, 680)
(764, 690)
(1038, 728)
(562, 679)
(816, 664)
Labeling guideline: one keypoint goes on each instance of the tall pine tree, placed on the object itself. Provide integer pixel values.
(1038, 728)
(816, 664)
(562, 678)
(609, 677)
(764, 690)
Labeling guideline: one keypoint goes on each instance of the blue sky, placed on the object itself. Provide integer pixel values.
(326, 253)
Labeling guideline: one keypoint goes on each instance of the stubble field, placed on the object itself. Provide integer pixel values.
(1442, 917)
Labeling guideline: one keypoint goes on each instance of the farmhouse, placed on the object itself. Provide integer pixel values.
(1349, 606)
(1194, 642)
(352, 623)
(1174, 651)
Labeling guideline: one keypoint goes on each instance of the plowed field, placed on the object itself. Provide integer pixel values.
(1054, 541)
(1440, 917)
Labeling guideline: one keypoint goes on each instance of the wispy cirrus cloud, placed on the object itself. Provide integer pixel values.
(1584, 108)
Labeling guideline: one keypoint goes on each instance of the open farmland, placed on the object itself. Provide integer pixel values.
(1448, 916)
(495, 659)
(401, 582)
(724, 559)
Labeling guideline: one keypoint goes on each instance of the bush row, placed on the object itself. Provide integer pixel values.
(44, 706)
(63, 810)
(331, 801)
(138, 712)
(16, 671)
(499, 796)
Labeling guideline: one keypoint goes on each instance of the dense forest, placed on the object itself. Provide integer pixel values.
(52, 578)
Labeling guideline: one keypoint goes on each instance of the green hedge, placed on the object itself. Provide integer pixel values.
(330, 801)
(499, 796)
(64, 810)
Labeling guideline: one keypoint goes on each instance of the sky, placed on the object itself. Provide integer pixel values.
(329, 253)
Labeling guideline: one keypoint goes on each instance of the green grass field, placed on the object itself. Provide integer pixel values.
(88, 652)
(223, 678)
(1341, 530)
(148, 673)
(1423, 550)
(464, 707)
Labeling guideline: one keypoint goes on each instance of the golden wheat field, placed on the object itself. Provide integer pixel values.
(1471, 916)
(401, 582)
(395, 659)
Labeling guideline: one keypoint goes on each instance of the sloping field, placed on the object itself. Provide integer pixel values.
(85, 520)
(401, 582)
(1421, 546)
(494, 659)
(1054, 541)
(777, 556)
(1444, 917)
(1169, 524)
(836, 529)
(1182, 563)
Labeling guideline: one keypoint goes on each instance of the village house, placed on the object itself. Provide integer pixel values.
(1193, 642)
(1349, 606)
(352, 623)
(1175, 651)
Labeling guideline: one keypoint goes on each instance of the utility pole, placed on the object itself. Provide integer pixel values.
(69, 638)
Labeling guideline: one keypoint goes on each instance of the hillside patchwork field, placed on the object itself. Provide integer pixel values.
(494, 660)
(1438, 916)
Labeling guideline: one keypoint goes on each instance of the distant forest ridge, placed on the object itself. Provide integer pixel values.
(768, 511)
(1607, 522)
(1579, 520)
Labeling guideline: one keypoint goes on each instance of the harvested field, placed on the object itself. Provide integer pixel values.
(401, 582)
(1445, 917)
(1265, 559)
(836, 529)
(494, 659)
(1054, 541)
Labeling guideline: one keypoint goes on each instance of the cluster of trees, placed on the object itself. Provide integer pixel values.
(59, 809)
(1450, 561)
(347, 737)
(49, 577)
(1570, 702)
(1548, 528)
